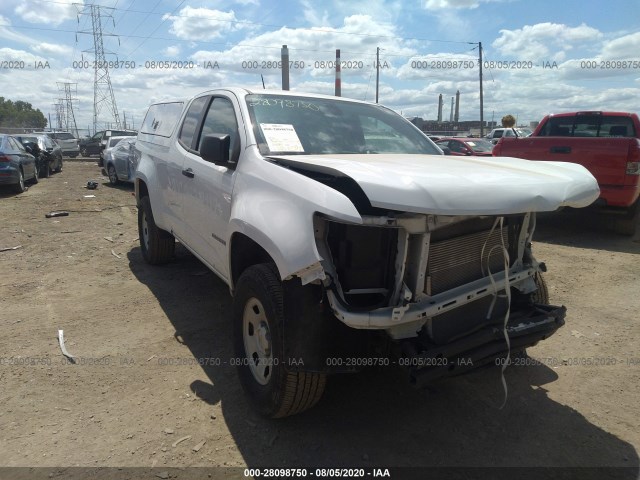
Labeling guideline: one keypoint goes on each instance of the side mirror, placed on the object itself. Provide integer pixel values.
(446, 150)
(215, 148)
(468, 152)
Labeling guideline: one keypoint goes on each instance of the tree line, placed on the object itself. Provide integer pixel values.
(20, 114)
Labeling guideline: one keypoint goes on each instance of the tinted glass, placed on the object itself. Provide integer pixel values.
(161, 119)
(307, 125)
(589, 125)
(220, 119)
(190, 123)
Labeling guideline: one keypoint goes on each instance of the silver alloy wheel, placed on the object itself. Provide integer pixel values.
(145, 230)
(257, 341)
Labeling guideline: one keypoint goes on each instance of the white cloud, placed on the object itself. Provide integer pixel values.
(202, 23)
(48, 12)
(544, 40)
(312, 16)
(172, 51)
(626, 47)
(51, 49)
(455, 4)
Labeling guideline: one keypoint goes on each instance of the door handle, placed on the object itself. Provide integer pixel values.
(560, 149)
(188, 173)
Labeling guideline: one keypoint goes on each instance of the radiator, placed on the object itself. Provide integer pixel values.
(456, 261)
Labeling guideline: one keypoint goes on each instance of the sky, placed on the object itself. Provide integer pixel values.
(539, 56)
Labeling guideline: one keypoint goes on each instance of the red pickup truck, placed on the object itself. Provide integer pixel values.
(606, 143)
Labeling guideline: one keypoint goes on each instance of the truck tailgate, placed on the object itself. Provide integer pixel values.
(605, 158)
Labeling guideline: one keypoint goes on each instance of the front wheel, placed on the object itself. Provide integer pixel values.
(259, 313)
(59, 168)
(84, 152)
(156, 244)
(541, 295)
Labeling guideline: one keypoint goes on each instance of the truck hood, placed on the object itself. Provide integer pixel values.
(451, 185)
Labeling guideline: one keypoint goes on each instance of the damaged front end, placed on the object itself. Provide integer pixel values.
(447, 290)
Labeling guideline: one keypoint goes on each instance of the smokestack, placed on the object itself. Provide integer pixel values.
(456, 117)
(284, 55)
(338, 91)
(451, 111)
(440, 108)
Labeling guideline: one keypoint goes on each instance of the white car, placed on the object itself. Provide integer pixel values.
(497, 133)
(347, 238)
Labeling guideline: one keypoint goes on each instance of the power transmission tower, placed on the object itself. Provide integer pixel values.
(69, 116)
(102, 90)
(60, 114)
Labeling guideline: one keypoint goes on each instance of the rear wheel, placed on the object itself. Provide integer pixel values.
(59, 167)
(84, 152)
(157, 245)
(259, 313)
(113, 176)
(19, 187)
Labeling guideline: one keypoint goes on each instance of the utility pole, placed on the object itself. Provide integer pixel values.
(102, 90)
(481, 98)
(377, 71)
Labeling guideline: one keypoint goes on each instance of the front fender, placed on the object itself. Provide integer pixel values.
(275, 206)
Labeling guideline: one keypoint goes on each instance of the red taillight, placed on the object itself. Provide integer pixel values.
(633, 159)
(4, 158)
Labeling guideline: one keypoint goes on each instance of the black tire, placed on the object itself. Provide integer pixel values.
(113, 176)
(45, 171)
(59, 167)
(541, 295)
(157, 245)
(84, 152)
(259, 313)
(19, 187)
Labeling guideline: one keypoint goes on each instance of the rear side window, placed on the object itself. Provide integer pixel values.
(191, 120)
(161, 120)
(589, 125)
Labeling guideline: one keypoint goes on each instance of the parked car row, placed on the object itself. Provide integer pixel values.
(68, 143)
(26, 158)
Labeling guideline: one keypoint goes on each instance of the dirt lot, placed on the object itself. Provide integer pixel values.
(139, 331)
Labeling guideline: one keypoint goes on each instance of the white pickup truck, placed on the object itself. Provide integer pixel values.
(347, 238)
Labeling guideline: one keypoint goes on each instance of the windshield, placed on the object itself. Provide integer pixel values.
(62, 136)
(480, 146)
(312, 126)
